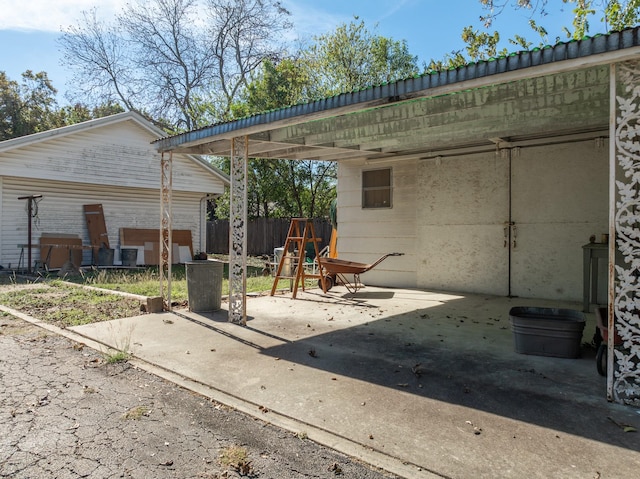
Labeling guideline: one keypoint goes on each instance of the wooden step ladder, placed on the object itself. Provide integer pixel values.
(301, 233)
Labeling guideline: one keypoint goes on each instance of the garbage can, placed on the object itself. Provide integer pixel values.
(105, 256)
(204, 285)
(129, 256)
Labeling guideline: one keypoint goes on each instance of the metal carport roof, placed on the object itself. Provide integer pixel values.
(413, 118)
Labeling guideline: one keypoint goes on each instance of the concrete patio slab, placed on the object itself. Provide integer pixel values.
(420, 383)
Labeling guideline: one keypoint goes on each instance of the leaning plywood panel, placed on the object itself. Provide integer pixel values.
(96, 226)
(150, 239)
(58, 248)
(61, 209)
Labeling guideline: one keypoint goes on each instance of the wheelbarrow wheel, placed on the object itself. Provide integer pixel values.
(601, 359)
(328, 283)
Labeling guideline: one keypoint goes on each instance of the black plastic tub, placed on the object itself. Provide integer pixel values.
(547, 331)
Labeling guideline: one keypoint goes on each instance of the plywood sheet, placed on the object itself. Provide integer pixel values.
(96, 225)
(56, 250)
(149, 240)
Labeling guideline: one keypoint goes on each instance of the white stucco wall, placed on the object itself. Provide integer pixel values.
(449, 216)
(560, 199)
(461, 209)
(366, 234)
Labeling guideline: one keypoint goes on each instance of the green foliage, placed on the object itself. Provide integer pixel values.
(620, 15)
(615, 15)
(280, 84)
(78, 112)
(481, 44)
(28, 107)
(282, 188)
(31, 107)
(352, 57)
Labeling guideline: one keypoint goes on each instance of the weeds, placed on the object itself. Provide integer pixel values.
(117, 357)
(237, 458)
(136, 413)
(68, 306)
(54, 300)
(145, 281)
(122, 342)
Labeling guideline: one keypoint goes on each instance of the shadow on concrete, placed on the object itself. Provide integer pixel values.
(460, 352)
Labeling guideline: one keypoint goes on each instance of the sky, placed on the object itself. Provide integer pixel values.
(29, 29)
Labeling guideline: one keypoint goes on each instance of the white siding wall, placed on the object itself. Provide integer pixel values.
(119, 154)
(111, 164)
(61, 211)
(366, 234)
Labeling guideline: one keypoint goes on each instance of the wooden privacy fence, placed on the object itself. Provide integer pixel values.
(263, 235)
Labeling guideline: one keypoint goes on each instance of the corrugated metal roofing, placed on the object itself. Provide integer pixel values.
(386, 94)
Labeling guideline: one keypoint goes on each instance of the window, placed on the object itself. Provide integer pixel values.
(376, 188)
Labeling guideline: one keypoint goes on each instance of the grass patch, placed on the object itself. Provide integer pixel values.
(66, 305)
(136, 413)
(50, 299)
(117, 357)
(146, 281)
(237, 458)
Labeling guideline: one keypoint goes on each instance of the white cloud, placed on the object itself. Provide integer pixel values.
(311, 21)
(51, 15)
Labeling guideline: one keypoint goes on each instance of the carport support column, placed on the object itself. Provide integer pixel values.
(238, 232)
(165, 260)
(623, 377)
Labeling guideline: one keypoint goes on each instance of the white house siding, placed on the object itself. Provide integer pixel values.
(119, 154)
(108, 161)
(366, 234)
(61, 211)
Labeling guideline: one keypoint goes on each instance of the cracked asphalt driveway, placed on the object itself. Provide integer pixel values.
(65, 412)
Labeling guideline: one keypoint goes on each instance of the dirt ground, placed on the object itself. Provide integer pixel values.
(65, 412)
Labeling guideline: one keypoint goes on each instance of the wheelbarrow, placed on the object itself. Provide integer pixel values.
(335, 270)
(602, 330)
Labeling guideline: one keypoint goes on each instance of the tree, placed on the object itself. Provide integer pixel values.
(616, 15)
(282, 188)
(349, 58)
(78, 113)
(29, 107)
(180, 62)
(352, 57)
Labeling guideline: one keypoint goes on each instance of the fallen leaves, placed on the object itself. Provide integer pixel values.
(623, 426)
(476, 430)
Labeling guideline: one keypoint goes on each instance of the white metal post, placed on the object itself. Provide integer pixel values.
(623, 377)
(238, 232)
(164, 265)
